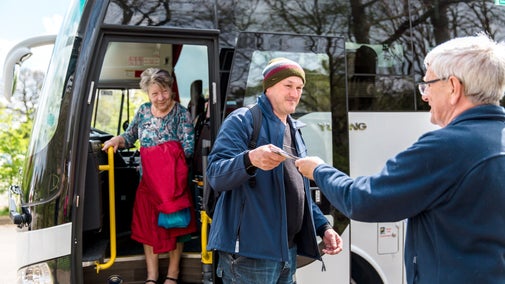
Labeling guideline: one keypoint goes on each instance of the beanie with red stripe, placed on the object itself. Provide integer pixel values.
(279, 69)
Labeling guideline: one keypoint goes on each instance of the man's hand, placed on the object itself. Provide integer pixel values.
(307, 165)
(265, 158)
(333, 243)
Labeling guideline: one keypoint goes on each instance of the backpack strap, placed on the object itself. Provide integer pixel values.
(257, 116)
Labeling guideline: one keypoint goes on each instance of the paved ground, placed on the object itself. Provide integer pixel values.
(7, 251)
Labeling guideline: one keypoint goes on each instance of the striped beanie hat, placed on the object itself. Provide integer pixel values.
(279, 69)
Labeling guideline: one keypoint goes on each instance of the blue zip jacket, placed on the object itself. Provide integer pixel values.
(450, 185)
(254, 219)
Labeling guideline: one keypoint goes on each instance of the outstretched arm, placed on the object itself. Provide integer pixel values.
(307, 165)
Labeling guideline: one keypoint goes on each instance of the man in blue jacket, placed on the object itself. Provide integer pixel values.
(450, 184)
(259, 227)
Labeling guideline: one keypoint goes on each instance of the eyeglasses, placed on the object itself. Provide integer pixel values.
(423, 85)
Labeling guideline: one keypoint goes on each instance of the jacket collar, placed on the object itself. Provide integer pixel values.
(487, 111)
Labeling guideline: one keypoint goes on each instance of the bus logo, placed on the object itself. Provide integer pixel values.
(357, 126)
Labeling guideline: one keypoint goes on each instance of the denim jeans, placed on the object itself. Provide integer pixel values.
(236, 269)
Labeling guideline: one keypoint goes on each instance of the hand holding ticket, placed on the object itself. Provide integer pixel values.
(283, 153)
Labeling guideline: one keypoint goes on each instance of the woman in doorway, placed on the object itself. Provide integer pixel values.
(166, 134)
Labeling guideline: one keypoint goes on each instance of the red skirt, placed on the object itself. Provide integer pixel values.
(162, 188)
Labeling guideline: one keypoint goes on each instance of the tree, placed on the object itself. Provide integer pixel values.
(16, 120)
(26, 96)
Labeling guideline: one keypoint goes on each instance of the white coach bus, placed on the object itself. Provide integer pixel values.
(363, 60)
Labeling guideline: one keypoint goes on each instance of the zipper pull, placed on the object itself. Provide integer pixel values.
(237, 246)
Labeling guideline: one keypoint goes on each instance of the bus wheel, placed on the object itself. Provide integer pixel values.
(362, 272)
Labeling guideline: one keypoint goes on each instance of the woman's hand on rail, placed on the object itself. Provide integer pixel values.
(116, 142)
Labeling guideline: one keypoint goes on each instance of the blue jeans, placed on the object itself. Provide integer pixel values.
(236, 269)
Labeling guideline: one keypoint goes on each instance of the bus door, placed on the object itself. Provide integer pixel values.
(323, 102)
(108, 252)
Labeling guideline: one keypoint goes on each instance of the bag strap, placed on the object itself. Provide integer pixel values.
(257, 117)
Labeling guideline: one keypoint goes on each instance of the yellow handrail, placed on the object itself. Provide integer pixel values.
(112, 210)
(206, 220)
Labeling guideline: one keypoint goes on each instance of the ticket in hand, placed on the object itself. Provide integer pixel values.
(283, 153)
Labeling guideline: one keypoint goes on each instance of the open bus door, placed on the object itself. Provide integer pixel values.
(323, 59)
(107, 252)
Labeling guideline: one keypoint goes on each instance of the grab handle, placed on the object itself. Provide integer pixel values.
(112, 210)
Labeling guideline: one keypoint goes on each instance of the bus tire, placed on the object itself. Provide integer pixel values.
(362, 272)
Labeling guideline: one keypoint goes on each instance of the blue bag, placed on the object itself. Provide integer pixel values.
(178, 219)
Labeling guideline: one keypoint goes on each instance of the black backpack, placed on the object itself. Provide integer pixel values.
(210, 196)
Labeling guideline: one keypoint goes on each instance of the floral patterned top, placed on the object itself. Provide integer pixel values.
(152, 131)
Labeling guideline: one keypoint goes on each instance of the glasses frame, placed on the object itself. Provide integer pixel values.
(423, 85)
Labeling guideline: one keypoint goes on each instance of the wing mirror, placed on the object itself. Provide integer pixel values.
(22, 218)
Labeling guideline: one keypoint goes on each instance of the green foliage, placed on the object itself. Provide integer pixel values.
(14, 136)
(16, 120)
(108, 115)
(4, 211)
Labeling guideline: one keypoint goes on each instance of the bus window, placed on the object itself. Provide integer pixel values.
(324, 69)
(114, 109)
(192, 66)
(377, 80)
(125, 61)
(120, 96)
(195, 13)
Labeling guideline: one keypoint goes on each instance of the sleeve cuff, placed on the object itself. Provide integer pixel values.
(249, 168)
(322, 229)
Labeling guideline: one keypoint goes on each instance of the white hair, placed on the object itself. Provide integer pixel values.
(477, 61)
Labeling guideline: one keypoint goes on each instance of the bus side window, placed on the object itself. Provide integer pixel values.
(196, 104)
(362, 84)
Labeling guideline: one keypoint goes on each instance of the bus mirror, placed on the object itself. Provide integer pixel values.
(19, 53)
(19, 219)
(15, 57)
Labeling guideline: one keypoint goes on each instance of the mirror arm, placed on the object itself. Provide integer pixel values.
(20, 219)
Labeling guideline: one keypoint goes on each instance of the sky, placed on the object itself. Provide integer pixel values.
(22, 19)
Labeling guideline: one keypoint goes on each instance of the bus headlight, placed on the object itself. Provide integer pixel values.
(39, 273)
